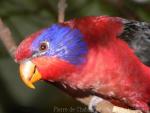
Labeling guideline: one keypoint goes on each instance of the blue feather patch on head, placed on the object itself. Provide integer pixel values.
(64, 42)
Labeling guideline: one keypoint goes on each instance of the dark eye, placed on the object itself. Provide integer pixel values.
(43, 46)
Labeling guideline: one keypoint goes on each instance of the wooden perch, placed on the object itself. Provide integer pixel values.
(7, 39)
(107, 107)
(61, 10)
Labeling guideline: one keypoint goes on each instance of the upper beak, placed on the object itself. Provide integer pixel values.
(29, 73)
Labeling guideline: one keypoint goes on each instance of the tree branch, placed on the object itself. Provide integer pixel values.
(61, 10)
(107, 107)
(7, 39)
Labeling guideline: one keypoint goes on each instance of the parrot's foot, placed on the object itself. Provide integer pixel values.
(93, 103)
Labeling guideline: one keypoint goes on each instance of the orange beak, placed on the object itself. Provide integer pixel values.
(29, 73)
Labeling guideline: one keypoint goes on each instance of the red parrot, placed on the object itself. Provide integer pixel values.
(97, 55)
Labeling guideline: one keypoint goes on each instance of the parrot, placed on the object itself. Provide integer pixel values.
(104, 56)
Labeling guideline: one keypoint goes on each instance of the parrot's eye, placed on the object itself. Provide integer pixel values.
(43, 46)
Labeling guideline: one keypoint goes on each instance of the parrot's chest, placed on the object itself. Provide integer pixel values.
(108, 70)
(102, 68)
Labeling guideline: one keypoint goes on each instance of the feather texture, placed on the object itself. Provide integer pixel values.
(89, 54)
(137, 35)
(64, 42)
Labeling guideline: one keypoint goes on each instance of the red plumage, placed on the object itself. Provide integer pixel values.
(97, 29)
(111, 70)
(52, 68)
(24, 50)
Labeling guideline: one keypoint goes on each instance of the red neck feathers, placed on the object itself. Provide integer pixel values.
(97, 29)
(52, 68)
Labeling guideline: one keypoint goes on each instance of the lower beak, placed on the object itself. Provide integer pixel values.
(29, 73)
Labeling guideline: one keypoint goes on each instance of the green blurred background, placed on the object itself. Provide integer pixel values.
(24, 17)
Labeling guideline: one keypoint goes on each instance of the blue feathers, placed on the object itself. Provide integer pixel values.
(64, 42)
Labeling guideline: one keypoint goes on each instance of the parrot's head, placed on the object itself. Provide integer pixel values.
(51, 54)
